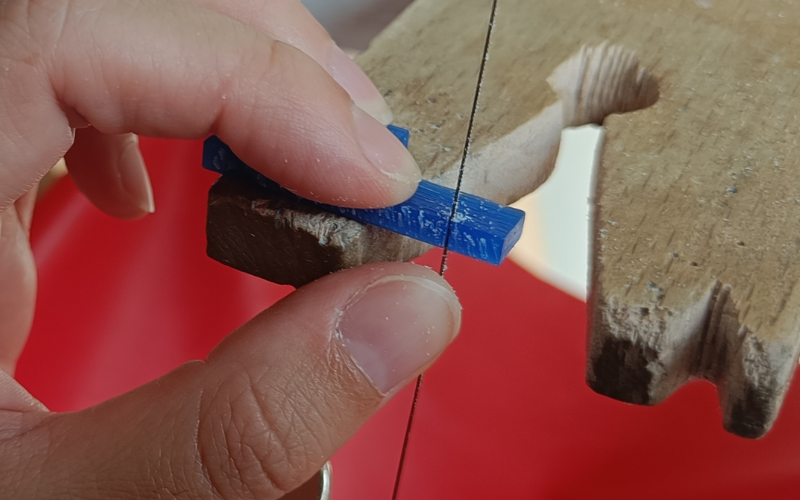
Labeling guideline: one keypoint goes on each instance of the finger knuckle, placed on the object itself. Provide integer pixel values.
(31, 27)
(253, 442)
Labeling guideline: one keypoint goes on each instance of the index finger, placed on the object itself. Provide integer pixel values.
(170, 69)
(290, 22)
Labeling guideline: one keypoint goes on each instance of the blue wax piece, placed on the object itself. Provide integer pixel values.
(482, 229)
(403, 134)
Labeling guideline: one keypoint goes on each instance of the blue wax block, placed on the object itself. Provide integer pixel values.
(481, 229)
(403, 134)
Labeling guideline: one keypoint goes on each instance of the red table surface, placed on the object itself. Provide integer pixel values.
(504, 414)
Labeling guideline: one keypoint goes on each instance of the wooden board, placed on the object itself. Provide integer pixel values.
(696, 210)
(696, 231)
(276, 238)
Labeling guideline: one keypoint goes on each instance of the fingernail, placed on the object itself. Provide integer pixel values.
(361, 89)
(397, 326)
(384, 151)
(134, 177)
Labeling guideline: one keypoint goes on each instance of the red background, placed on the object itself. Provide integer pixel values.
(504, 414)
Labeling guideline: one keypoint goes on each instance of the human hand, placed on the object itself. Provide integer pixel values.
(273, 401)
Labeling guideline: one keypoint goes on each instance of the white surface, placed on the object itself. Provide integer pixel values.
(555, 242)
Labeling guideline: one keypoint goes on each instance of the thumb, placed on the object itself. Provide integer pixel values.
(269, 407)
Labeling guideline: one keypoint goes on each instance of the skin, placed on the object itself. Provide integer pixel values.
(275, 400)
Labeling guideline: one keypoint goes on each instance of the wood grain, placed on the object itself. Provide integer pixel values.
(696, 210)
(695, 233)
(276, 238)
(427, 63)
